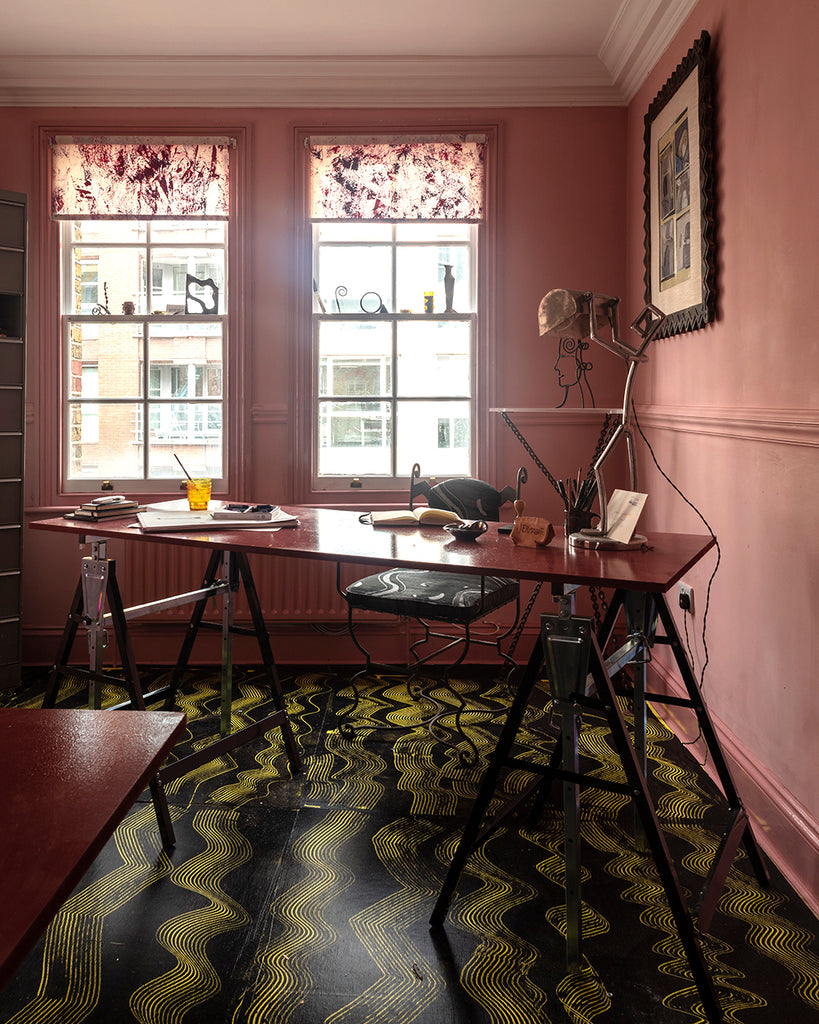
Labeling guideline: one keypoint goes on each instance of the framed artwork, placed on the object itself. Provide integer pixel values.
(679, 196)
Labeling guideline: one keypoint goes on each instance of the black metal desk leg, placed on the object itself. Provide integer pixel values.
(98, 585)
(639, 609)
(566, 640)
(229, 573)
(163, 816)
(735, 834)
(94, 572)
(489, 782)
(191, 632)
(64, 648)
(569, 738)
(263, 640)
(654, 836)
(235, 571)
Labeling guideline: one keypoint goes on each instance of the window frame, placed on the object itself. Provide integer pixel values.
(142, 399)
(51, 488)
(346, 491)
(392, 396)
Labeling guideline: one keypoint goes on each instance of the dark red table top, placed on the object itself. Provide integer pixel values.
(70, 777)
(332, 535)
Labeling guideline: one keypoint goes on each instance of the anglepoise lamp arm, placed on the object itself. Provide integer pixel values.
(582, 314)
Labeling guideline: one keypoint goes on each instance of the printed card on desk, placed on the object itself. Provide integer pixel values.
(622, 513)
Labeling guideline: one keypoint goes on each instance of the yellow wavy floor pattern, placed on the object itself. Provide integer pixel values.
(338, 800)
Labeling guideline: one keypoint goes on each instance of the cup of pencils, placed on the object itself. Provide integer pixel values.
(578, 496)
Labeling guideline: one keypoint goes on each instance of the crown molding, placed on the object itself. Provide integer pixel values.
(639, 35)
(67, 81)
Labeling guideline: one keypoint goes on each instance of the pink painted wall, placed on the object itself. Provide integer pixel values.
(731, 411)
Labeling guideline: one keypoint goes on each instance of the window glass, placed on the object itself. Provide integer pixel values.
(158, 365)
(433, 359)
(355, 358)
(433, 434)
(355, 438)
(350, 274)
(409, 348)
(170, 270)
(113, 447)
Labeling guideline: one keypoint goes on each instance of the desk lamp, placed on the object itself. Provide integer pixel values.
(584, 315)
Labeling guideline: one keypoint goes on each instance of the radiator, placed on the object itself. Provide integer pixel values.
(297, 589)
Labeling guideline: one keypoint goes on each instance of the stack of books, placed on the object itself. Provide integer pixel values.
(113, 507)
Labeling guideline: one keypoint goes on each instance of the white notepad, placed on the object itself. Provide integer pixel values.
(156, 520)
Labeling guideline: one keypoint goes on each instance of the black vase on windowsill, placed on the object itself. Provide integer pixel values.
(449, 287)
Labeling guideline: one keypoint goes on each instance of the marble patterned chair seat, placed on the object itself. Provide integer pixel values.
(421, 593)
(456, 600)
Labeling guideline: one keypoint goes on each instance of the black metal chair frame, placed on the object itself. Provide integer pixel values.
(438, 495)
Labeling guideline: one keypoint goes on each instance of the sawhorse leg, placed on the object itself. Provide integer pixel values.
(572, 650)
(739, 828)
(654, 836)
(96, 587)
(500, 759)
(642, 613)
(235, 567)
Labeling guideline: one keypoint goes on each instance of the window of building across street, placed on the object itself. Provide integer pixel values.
(395, 226)
(144, 278)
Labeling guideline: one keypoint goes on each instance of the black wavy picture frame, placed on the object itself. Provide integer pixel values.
(685, 293)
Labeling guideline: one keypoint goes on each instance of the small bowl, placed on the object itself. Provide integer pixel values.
(467, 531)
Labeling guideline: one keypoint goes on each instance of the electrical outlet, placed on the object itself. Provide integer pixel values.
(685, 595)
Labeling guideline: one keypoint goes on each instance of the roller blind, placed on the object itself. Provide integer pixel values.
(140, 179)
(397, 179)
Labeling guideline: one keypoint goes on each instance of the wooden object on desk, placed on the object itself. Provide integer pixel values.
(530, 531)
(71, 777)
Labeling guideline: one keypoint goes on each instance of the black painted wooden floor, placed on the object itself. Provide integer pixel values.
(306, 900)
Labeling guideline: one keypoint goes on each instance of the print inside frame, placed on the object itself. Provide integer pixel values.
(679, 196)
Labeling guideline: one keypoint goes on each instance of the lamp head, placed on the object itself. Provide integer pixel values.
(563, 312)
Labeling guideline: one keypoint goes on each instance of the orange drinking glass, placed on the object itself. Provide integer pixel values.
(198, 494)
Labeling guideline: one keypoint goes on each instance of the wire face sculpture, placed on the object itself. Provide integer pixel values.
(571, 368)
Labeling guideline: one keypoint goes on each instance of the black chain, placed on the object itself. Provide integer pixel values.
(598, 598)
(609, 424)
(530, 450)
(523, 619)
(599, 605)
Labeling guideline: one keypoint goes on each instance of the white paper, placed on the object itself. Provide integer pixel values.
(159, 519)
(622, 513)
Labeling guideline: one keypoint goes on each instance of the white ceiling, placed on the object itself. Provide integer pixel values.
(331, 53)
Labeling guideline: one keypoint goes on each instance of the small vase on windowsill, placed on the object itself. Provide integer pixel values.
(449, 287)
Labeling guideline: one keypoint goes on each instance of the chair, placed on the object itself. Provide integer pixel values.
(455, 599)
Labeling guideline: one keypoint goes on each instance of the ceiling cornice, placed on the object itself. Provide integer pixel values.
(306, 82)
(638, 37)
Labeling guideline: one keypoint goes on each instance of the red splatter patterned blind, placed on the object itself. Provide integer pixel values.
(140, 179)
(407, 179)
